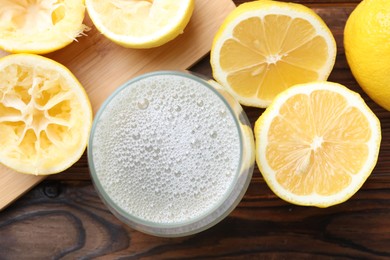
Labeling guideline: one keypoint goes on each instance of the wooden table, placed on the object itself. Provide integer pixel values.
(64, 218)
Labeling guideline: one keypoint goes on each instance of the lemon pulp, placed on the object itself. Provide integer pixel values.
(317, 143)
(40, 26)
(45, 115)
(140, 24)
(264, 47)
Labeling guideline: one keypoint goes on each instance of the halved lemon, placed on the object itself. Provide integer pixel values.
(317, 143)
(140, 23)
(45, 115)
(40, 26)
(264, 47)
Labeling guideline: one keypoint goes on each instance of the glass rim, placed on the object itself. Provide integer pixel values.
(194, 225)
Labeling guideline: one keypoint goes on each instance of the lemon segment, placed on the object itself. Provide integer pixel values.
(142, 23)
(264, 47)
(317, 143)
(367, 49)
(45, 115)
(40, 26)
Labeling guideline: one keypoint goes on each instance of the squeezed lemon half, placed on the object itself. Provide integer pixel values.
(140, 24)
(45, 115)
(40, 26)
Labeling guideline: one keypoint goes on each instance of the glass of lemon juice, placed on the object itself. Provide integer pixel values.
(170, 153)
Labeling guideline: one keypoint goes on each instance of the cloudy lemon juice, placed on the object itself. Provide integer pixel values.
(170, 154)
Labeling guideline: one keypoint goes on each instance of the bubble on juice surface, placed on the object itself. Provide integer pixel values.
(143, 103)
(170, 172)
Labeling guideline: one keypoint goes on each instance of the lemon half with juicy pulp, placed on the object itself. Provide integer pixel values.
(40, 26)
(140, 23)
(45, 115)
(317, 143)
(264, 47)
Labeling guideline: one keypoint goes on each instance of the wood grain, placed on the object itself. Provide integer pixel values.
(63, 217)
(68, 221)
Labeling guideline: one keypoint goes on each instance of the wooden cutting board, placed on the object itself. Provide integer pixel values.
(102, 66)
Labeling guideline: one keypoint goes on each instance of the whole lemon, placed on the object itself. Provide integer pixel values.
(367, 48)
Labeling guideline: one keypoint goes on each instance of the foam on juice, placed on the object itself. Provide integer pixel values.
(166, 149)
